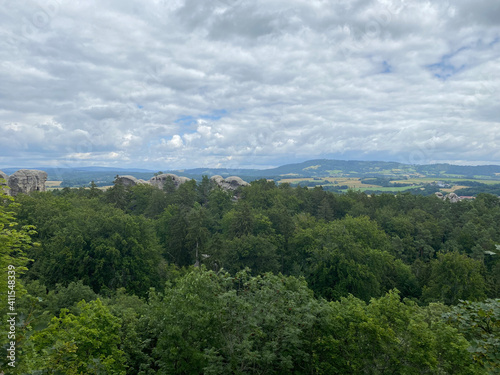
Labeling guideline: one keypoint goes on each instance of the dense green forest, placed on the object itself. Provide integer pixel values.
(265, 280)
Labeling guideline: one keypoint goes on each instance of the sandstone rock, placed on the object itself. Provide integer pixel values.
(160, 180)
(4, 177)
(218, 180)
(439, 195)
(230, 183)
(3, 182)
(453, 198)
(26, 180)
(131, 180)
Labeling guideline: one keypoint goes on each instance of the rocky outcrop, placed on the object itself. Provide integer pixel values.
(230, 183)
(131, 181)
(160, 180)
(452, 197)
(26, 181)
(4, 176)
(3, 182)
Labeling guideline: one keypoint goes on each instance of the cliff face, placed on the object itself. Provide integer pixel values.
(160, 180)
(25, 181)
(229, 183)
(5, 177)
(3, 182)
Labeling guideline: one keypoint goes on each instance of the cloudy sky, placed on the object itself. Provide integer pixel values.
(248, 83)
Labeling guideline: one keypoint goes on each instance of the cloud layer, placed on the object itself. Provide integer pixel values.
(185, 83)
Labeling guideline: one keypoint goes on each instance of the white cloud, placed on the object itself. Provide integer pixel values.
(173, 84)
(175, 142)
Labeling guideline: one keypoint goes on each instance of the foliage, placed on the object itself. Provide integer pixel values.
(455, 277)
(319, 299)
(98, 244)
(15, 241)
(219, 324)
(78, 344)
(387, 336)
(480, 324)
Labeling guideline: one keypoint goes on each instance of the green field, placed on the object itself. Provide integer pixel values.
(415, 183)
(429, 180)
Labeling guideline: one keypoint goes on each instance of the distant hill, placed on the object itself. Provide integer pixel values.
(354, 168)
(318, 168)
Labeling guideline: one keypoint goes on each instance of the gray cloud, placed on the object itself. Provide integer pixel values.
(183, 83)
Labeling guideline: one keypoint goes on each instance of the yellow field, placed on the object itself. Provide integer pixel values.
(52, 184)
(352, 182)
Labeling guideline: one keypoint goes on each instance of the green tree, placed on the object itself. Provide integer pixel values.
(94, 191)
(480, 324)
(15, 241)
(172, 229)
(79, 344)
(83, 239)
(221, 324)
(388, 336)
(197, 231)
(118, 194)
(350, 256)
(454, 277)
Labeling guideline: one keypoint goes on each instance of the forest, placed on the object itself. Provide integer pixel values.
(269, 279)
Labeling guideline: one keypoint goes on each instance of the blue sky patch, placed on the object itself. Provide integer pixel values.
(445, 69)
(386, 67)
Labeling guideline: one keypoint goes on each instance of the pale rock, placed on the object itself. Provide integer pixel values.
(26, 181)
(3, 182)
(4, 177)
(160, 180)
(453, 198)
(131, 180)
(230, 183)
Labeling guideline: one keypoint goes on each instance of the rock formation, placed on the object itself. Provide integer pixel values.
(4, 177)
(160, 180)
(452, 197)
(26, 180)
(3, 182)
(230, 183)
(131, 180)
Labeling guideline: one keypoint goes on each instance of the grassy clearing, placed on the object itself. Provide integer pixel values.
(312, 167)
(53, 185)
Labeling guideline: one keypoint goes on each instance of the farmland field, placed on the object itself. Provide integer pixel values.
(50, 185)
(415, 183)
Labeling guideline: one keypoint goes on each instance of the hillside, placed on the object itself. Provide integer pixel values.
(328, 173)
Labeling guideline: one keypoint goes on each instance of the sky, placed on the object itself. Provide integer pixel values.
(171, 84)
